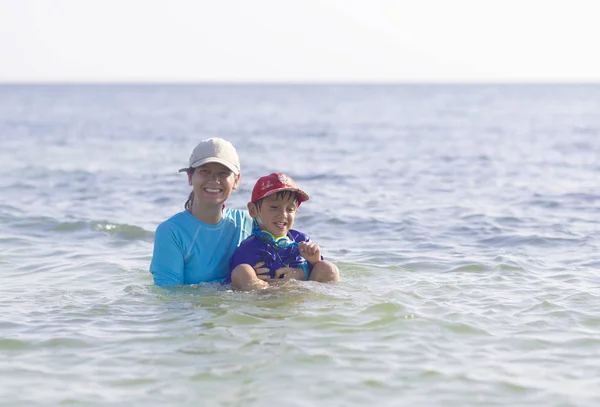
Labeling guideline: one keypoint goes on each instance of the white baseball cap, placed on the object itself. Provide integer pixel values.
(214, 150)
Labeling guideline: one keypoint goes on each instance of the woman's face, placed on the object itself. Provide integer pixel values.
(213, 183)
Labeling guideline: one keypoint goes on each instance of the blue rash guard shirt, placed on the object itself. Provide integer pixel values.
(254, 250)
(189, 251)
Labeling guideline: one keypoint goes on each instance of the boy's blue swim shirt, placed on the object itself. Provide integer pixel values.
(254, 250)
(189, 251)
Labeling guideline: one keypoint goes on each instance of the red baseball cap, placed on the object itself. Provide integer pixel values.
(275, 182)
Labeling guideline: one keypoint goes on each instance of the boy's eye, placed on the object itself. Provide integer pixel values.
(224, 174)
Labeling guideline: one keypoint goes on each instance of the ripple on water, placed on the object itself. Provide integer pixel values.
(469, 273)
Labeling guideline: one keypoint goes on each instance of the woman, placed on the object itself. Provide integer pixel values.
(194, 246)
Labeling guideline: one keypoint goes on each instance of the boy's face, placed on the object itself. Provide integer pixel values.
(275, 215)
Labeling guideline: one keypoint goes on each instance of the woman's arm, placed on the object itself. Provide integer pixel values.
(167, 259)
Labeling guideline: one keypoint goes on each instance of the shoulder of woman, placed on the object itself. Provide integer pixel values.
(172, 222)
(237, 213)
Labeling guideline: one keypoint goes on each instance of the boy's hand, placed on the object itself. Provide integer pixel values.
(310, 251)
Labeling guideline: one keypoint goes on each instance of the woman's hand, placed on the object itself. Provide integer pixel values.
(310, 251)
(261, 272)
(289, 273)
(282, 274)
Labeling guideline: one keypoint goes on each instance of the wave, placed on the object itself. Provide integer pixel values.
(43, 226)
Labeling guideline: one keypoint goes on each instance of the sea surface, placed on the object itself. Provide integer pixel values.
(465, 220)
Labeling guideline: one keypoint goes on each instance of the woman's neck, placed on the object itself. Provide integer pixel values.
(211, 214)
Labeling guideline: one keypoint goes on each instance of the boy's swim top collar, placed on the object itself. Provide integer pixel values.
(282, 242)
(276, 182)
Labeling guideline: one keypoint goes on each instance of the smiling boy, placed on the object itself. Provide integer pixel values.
(285, 253)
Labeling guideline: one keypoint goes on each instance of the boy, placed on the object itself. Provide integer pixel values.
(285, 253)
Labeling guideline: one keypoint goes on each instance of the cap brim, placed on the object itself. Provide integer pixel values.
(303, 196)
(227, 164)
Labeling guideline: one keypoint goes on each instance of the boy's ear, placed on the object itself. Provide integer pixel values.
(252, 209)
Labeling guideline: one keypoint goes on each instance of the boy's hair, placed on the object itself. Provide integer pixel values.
(279, 195)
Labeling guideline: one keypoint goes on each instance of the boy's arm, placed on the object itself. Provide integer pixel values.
(243, 256)
(246, 253)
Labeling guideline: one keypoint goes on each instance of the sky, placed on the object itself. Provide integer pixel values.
(451, 41)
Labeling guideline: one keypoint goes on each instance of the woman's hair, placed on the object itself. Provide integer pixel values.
(190, 200)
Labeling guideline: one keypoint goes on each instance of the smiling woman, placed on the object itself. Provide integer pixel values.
(194, 246)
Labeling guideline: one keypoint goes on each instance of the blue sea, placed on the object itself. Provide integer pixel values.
(465, 220)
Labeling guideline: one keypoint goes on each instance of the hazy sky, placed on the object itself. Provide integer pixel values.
(299, 41)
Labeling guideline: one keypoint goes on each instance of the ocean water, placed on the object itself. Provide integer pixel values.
(465, 220)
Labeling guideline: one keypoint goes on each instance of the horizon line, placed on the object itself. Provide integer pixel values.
(288, 83)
